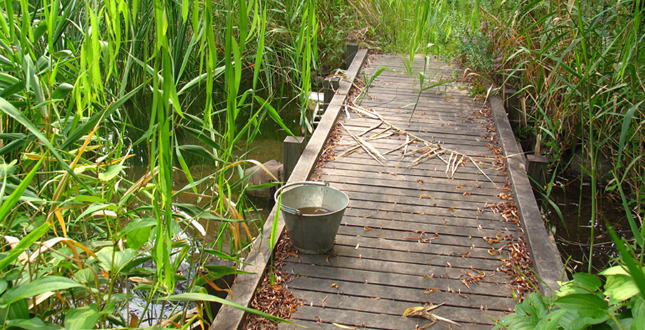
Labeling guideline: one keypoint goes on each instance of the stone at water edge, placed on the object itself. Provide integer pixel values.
(259, 177)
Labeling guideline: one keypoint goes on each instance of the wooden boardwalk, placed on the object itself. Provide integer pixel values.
(411, 234)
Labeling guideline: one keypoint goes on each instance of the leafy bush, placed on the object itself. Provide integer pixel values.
(583, 303)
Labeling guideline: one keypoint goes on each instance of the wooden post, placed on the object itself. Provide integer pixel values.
(292, 150)
(512, 106)
(330, 85)
(537, 169)
(350, 51)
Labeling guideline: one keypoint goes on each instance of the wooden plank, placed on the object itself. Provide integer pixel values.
(455, 143)
(433, 164)
(478, 247)
(474, 235)
(435, 127)
(479, 250)
(424, 194)
(362, 320)
(457, 184)
(437, 199)
(346, 246)
(393, 101)
(453, 130)
(398, 281)
(230, 318)
(402, 294)
(429, 116)
(547, 261)
(392, 307)
(328, 326)
(486, 221)
(412, 182)
(345, 164)
(429, 210)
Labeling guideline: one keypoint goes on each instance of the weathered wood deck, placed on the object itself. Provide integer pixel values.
(410, 233)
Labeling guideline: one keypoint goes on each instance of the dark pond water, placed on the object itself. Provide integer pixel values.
(573, 231)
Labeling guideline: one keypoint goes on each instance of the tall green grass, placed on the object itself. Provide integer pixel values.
(76, 76)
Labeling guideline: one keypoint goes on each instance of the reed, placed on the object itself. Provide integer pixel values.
(81, 235)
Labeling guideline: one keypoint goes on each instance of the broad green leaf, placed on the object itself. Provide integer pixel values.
(635, 270)
(85, 317)
(573, 321)
(550, 322)
(26, 242)
(584, 304)
(147, 221)
(138, 237)
(616, 270)
(111, 172)
(207, 297)
(620, 287)
(114, 261)
(588, 281)
(19, 310)
(32, 324)
(62, 90)
(639, 322)
(638, 306)
(40, 285)
(85, 275)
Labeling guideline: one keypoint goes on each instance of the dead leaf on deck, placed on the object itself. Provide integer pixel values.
(342, 326)
(426, 196)
(429, 291)
(367, 228)
(334, 285)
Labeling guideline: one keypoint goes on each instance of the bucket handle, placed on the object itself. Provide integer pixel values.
(297, 183)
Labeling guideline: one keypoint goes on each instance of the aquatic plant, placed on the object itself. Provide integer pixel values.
(82, 236)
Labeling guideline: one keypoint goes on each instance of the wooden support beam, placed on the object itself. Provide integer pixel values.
(293, 147)
(547, 261)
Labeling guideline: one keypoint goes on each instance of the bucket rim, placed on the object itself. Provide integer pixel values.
(294, 211)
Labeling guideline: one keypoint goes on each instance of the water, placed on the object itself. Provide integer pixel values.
(573, 232)
(312, 210)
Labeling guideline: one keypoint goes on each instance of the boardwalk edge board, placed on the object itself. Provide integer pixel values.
(230, 318)
(547, 261)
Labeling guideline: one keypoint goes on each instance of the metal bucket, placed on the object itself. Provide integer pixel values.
(312, 233)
